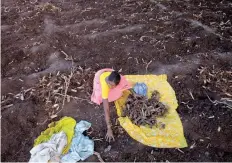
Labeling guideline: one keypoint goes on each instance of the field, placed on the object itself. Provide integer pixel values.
(190, 41)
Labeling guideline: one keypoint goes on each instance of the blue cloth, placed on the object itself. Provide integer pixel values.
(140, 89)
(81, 146)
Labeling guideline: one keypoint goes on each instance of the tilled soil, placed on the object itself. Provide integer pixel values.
(190, 41)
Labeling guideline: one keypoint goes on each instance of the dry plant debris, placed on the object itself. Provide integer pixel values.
(144, 111)
(55, 90)
(48, 7)
(216, 80)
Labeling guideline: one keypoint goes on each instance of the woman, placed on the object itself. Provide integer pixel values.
(108, 86)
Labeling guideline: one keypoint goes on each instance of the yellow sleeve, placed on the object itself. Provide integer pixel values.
(104, 86)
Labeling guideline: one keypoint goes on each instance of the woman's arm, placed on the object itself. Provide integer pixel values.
(109, 134)
(107, 112)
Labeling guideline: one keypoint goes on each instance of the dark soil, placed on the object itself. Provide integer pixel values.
(190, 41)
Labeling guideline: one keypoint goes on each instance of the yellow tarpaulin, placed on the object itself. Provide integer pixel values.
(66, 124)
(172, 135)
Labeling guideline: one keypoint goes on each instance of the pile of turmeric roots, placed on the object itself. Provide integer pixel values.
(144, 111)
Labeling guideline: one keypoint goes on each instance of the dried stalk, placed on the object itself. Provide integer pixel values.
(76, 98)
(148, 65)
(223, 101)
(67, 83)
(98, 156)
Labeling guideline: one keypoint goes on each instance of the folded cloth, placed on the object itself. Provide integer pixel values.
(50, 150)
(114, 94)
(81, 147)
(140, 89)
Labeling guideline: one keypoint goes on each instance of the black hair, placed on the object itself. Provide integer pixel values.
(114, 77)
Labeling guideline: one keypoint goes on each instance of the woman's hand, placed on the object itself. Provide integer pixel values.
(109, 135)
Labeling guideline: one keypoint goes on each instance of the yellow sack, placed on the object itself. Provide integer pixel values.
(172, 135)
(66, 124)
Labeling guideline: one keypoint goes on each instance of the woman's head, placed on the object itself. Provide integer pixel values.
(114, 78)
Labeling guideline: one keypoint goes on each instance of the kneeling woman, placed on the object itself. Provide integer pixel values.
(108, 86)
